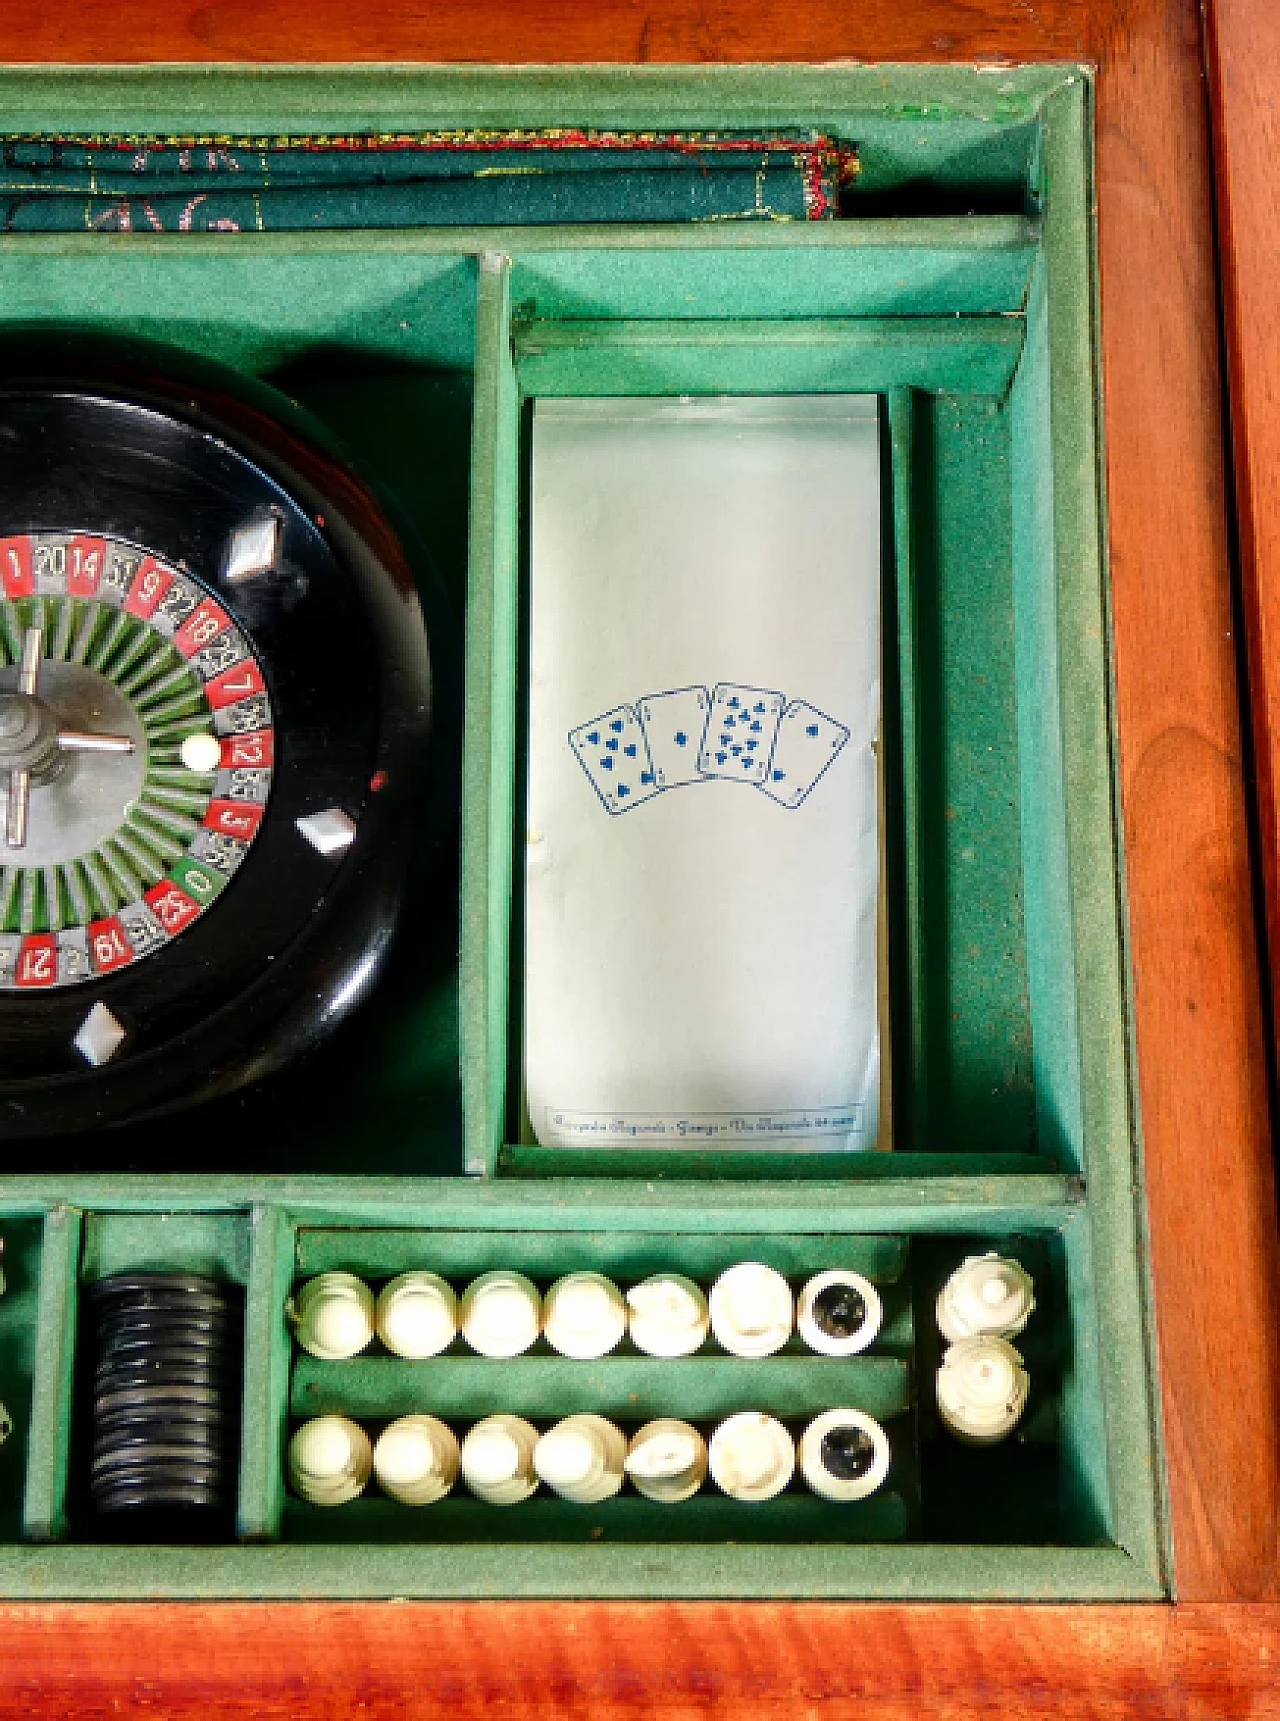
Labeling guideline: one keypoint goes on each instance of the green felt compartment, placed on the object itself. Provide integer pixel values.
(217, 1244)
(19, 1354)
(951, 599)
(264, 306)
(751, 356)
(791, 1518)
(498, 1569)
(282, 1238)
(212, 1244)
(699, 1388)
(873, 268)
(961, 290)
(625, 1255)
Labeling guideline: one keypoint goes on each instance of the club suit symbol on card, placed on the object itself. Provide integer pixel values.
(740, 732)
(674, 724)
(808, 740)
(613, 752)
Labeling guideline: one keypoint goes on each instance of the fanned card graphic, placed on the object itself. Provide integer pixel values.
(674, 724)
(740, 732)
(613, 752)
(807, 743)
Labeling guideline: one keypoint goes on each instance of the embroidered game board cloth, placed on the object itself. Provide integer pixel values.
(259, 184)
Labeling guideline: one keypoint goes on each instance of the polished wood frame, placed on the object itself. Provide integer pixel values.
(1201, 1032)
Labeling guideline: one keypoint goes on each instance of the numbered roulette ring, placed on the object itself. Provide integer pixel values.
(215, 695)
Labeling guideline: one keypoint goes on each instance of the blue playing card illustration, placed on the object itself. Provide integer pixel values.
(808, 740)
(741, 728)
(674, 724)
(613, 752)
(735, 733)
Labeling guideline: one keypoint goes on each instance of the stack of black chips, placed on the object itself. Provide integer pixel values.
(165, 1404)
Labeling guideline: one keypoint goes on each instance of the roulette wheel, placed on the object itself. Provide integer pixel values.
(215, 694)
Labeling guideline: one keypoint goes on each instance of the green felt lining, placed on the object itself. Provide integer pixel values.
(635, 1388)
(499, 1569)
(542, 1255)
(448, 1223)
(829, 356)
(793, 1517)
(44, 1510)
(1012, 1093)
(268, 1346)
(24, 1387)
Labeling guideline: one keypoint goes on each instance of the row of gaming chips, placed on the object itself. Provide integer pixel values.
(843, 1455)
(750, 1310)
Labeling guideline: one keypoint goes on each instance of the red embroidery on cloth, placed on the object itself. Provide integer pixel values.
(826, 165)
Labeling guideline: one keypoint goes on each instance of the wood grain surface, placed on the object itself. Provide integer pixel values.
(561, 30)
(1199, 1030)
(1199, 1026)
(1243, 41)
(621, 1662)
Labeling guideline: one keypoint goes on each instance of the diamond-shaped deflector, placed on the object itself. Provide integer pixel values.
(330, 831)
(100, 1036)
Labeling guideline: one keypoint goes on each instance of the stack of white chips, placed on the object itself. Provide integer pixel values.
(982, 1390)
(667, 1460)
(417, 1315)
(986, 1296)
(982, 1384)
(501, 1314)
(584, 1316)
(752, 1310)
(415, 1460)
(496, 1460)
(839, 1312)
(330, 1460)
(582, 1458)
(751, 1456)
(333, 1316)
(844, 1455)
(668, 1315)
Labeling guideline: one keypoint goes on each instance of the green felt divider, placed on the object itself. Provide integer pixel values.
(907, 265)
(699, 1388)
(214, 1244)
(1127, 1452)
(972, 355)
(545, 1255)
(907, 972)
(490, 724)
(259, 308)
(19, 1352)
(910, 266)
(44, 1497)
(505, 1568)
(670, 1164)
(994, 1202)
(790, 1518)
(267, 1347)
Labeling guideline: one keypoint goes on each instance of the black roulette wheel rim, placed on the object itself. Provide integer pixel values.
(171, 459)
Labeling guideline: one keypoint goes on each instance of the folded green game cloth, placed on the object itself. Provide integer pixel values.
(478, 178)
